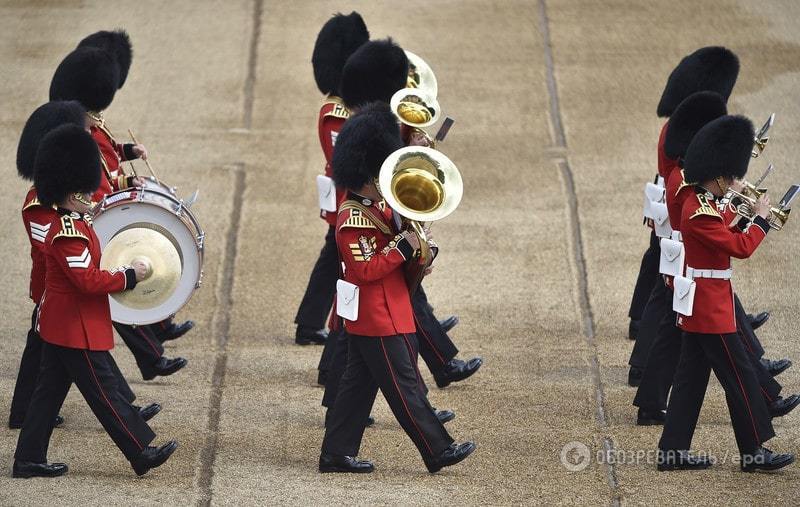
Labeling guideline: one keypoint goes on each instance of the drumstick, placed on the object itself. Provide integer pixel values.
(147, 163)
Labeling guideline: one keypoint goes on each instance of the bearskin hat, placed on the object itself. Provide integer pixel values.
(720, 149)
(364, 142)
(88, 75)
(337, 40)
(711, 68)
(41, 122)
(118, 44)
(689, 117)
(373, 73)
(67, 162)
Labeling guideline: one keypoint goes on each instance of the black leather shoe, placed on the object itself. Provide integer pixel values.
(635, 376)
(456, 370)
(445, 416)
(165, 367)
(175, 331)
(26, 469)
(776, 366)
(783, 406)
(149, 411)
(765, 460)
(650, 417)
(456, 453)
(152, 457)
(308, 336)
(756, 321)
(329, 463)
(680, 460)
(449, 323)
(633, 329)
(17, 425)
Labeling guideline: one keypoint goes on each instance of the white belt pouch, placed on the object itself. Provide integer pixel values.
(327, 193)
(346, 300)
(683, 296)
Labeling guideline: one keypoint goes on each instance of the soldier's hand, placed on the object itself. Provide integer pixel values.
(418, 138)
(762, 206)
(138, 182)
(140, 151)
(429, 271)
(141, 269)
(412, 239)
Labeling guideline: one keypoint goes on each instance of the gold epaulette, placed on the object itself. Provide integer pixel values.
(705, 208)
(339, 110)
(362, 217)
(30, 204)
(69, 230)
(683, 184)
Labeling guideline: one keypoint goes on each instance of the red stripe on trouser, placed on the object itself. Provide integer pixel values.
(745, 340)
(767, 396)
(413, 358)
(149, 342)
(400, 393)
(428, 339)
(100, 388)
(741, 386)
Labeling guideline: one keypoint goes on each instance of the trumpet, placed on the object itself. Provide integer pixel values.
(747, 205)
(761, 138)
(421, 185)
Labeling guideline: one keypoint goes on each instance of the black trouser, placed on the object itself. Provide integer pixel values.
(92, 373)
(746, 329)
(663, 361)
(385, 363)
(725, 354)
(143, 344)
(318, 299)
(659, 303)
(159, 328)
(29, 371)
(435, 346)
(648, 274)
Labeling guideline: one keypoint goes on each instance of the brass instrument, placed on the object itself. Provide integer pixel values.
(420, 75)
(745, 207)
(417, 109)
(761, 138)
(421, 185)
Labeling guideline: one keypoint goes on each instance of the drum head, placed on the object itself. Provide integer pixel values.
(149, 228)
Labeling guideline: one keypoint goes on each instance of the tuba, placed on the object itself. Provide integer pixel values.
(421, 185)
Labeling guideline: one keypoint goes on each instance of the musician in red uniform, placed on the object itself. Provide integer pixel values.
(709, 68)
(381, 350)
(37, 218)
(74, 317)
(718, 154)
(338, 38)
(91, 75)
(651, 396)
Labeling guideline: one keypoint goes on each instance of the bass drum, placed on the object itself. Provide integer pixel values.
(156, 227)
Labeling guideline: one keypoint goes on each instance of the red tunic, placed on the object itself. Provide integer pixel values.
(36, 219)
(377, 270)
(74, 310)
(710, 244)
(332, 116)
(112, 179)
(665, 164)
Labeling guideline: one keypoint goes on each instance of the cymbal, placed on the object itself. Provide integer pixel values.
(158, 253)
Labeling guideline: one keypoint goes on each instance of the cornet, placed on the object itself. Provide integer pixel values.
(421, 185)
(760, 141)
(751, 193)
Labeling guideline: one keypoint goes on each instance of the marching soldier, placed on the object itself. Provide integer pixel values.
(651, 397)
(91, 76)
(37, 219)
(717, 155)
(381, 354)
(712, 69)
(74, 316)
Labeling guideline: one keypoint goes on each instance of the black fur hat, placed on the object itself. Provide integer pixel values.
(88, 75)
(711, 68)
(67, 162)
(41, 122)
(721, 148)
(373, 73)
(689, 117)
(364, 142)
(118, 44)
(337, 40)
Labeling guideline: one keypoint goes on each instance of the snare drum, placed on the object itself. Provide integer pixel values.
(161, 212)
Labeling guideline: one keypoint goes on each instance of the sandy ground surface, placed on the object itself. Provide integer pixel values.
(555, 136)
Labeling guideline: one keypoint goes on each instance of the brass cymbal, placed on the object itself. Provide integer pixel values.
(158, 253)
